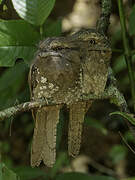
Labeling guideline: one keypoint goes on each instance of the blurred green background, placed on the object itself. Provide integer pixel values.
(104, 155)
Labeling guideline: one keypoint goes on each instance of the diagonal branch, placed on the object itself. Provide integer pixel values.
(111, 93)
(14, 110)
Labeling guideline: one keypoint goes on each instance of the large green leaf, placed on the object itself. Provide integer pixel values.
(8, 55)
(81, 176)
(17, 32)
(7, 174)
(34, 11)
(52, 28)
(17, 40)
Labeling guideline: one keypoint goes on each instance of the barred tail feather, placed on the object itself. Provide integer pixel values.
(76, 119)
(44, 138)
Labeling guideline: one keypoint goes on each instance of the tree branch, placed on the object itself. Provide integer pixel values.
(103, 22)
(111, 93)
(7, 113)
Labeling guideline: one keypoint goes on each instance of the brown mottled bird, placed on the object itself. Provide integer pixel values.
(65, 69)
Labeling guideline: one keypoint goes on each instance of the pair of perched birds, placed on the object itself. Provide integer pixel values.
(64, 70)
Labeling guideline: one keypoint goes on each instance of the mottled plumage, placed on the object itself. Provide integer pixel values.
(65, 69)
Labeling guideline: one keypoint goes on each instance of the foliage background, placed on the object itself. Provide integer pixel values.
(104, 155)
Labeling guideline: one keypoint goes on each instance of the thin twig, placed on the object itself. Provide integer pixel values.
(101, 168)
(7, 113)
(127, 50)
(124, 140)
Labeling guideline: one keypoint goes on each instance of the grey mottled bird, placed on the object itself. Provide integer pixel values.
(65, 69)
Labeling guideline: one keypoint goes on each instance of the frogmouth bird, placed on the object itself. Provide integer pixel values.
(62, 72)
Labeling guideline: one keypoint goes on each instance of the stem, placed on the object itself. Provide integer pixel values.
(127, 50)
(121, 51)
(41, 31)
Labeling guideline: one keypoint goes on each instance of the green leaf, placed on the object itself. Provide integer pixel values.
(96, 124)
(18, 39)
(17, 32)
(28, 173)
(5, 7)
(52, 28)
(129, 136)
(117, 153)
(34, 11)
(7, 174)
(132, 22)
(129, 117)
(82, 176)
(8, 55)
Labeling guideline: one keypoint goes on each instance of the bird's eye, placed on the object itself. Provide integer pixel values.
(57, 48)
(92, 41)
